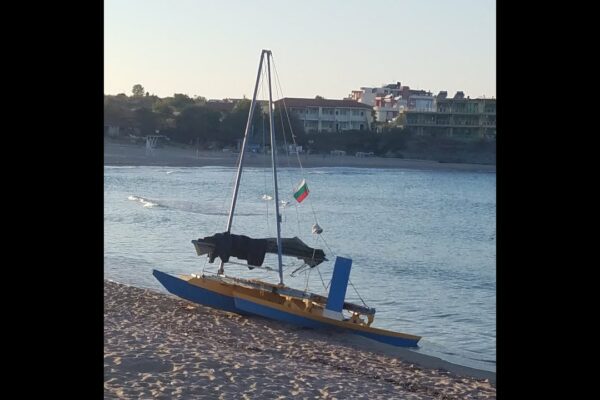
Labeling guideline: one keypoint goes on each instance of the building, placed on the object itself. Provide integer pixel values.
(457, 116)
(390, 100)
(387, 107)
(421, 102)
(324, 115)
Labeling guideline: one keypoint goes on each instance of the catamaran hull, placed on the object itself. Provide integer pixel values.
(223, 298)
(278, 312)
(199, 295)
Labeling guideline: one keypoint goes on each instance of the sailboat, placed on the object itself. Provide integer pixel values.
(275, 301)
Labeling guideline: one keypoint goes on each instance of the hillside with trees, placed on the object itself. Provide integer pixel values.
(194, 121)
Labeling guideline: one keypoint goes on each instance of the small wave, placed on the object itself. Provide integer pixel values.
(344, 171)
(487, 360)
(145, 202)
(443, 315)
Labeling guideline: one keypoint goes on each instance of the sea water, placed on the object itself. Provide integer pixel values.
(423, 243)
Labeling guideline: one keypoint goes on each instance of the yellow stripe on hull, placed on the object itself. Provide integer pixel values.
(342, 324)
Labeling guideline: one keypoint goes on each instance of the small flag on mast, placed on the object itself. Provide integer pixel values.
(301, 192)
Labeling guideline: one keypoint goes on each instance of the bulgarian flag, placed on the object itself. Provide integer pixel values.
(301, 192)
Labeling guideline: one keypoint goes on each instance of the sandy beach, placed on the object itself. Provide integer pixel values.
(159, 346)
(136, 155)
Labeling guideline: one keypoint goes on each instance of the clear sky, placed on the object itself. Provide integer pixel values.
(320, 47)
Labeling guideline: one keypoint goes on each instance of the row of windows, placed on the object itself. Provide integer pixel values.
(332, 125)
(327, 111)
(445, 121)
(469, 109)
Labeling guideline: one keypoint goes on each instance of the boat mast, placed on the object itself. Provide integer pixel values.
(243, 151)
(274, 161)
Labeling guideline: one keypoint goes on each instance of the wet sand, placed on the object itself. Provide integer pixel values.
(136, 155)
(159, 346)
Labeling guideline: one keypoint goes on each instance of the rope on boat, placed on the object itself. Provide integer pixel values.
(307, 276)
(265, 172)
(279, 87)
(358, 294)
(204, 266)
(329, 248)
(322, 281)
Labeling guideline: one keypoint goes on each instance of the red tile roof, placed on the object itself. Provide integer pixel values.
(300, 102)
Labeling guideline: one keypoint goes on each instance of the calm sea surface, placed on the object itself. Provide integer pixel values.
(423, 243)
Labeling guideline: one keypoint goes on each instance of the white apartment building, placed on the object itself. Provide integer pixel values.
(324, 115)
(388, 107)
(391, 99)
(421, 103)
(365, 95)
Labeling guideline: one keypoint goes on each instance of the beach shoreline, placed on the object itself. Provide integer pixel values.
(157, 345)
(125, 154)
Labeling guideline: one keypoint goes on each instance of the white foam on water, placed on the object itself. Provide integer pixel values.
(145, 202)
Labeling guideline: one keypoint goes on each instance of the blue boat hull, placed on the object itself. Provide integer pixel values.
(196, 294)
(182, 288)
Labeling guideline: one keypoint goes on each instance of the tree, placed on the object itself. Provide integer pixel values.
(138, 90)
(146, 120)
(297, 126)
(163, 108)
(201, 100)
(179, 101)
(234, 123)
(319, 97)
(399, 121)
(197, 122)
(116, 113)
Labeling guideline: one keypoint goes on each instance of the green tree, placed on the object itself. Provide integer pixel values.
(234, 123)
(200, 100)
(281, 122)
(181, 101)
(392, 141)
(146, 120)
(163, 108)
(399, 121)
(138, 90)
(116, 111)
(197, 123)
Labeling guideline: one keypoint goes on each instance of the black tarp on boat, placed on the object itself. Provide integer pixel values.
(225, 245)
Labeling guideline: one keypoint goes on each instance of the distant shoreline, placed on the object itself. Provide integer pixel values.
(120, 154)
